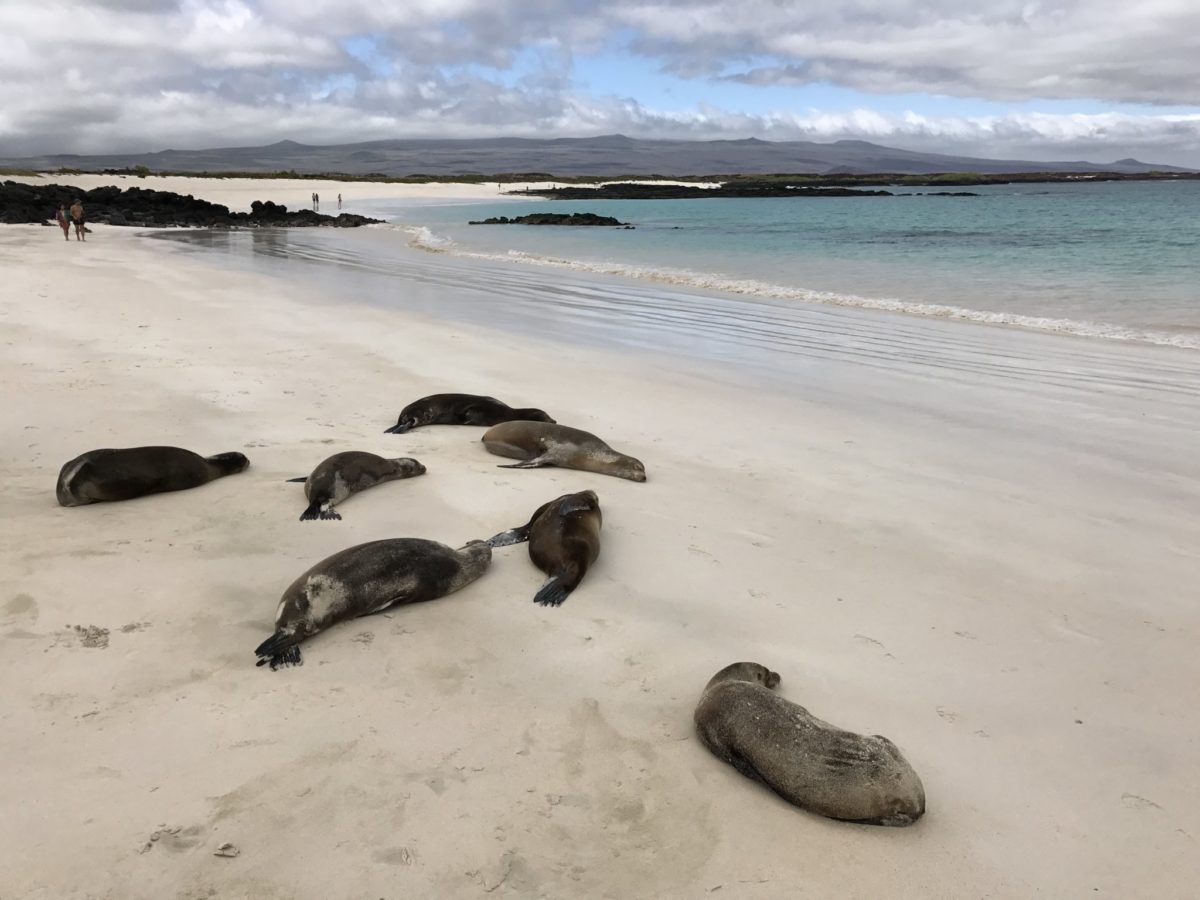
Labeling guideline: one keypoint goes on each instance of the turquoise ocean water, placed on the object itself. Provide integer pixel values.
(1117, 260)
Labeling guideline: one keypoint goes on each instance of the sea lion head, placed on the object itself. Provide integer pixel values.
(420, 412)
(407, 467)
(533, 415)
(746, 671)
(628, 467)
(229, 463)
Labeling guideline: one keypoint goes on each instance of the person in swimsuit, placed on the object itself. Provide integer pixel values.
(63, 222)
(77, 218)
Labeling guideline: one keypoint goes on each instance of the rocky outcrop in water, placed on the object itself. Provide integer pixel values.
(555, 219)
(34, 203)
(643, 191)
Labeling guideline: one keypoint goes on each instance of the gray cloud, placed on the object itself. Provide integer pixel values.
(140, 74)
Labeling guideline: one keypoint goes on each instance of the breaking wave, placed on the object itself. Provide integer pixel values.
(423, 238)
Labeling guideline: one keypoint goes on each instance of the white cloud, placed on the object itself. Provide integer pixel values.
(140, 74)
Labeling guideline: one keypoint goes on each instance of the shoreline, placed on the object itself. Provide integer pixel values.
(383, 201)
(996, 574)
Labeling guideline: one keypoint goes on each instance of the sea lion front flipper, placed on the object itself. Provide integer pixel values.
(319, 509)
(536, 463)
(507, 538)
(277, 651)
(552, 593)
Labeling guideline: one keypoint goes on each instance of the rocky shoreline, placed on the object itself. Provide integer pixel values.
(26, 204)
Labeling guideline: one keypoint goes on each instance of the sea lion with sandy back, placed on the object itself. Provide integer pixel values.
(540, 444)
(343, 474)
(99, 476)
(816, 766)
(564, 540)
(461, 409)
(365, 579)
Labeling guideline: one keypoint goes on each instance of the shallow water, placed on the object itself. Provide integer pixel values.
(1117, 260)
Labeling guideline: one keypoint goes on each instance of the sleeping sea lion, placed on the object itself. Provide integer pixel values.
(347, 473)
(364, 579)
(548, 444)
(460, 409)
(808, 762)
(564, 540)
(102, 475)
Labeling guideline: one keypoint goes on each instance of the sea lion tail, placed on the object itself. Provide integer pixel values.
(315, 511)
(279, 650)
(301, 478)
(553, 593)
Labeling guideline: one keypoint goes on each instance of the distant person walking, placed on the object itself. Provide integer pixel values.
(77, 218)
(339, 201)
(316, 202)
(63, 222)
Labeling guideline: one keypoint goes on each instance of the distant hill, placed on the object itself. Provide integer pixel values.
(609, 155)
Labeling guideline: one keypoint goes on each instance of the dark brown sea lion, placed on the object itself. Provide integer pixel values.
(808, 762)
(347, 473)
(103, 475)
(548, 444)
(365, 579)
(460, 409)
(564, 540)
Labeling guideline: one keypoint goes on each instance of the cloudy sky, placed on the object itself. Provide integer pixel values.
(1057, 79)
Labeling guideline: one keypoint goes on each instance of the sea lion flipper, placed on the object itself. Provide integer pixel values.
(553, 593)
(330, 513)
(313, 512)
(536, 463)
(278, 650)
(507, 538)
(301, 478)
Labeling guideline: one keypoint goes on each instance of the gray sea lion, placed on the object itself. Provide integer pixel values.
(460, 409)
(103, 475)
(564, 540)
(547, 444)
(365, 579)
(343, 474)
(808, 762)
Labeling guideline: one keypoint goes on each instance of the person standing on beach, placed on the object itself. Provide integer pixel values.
(339, 201)
(316, 202)
(63, 222)
(77, 218)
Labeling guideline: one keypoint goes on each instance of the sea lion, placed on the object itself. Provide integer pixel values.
(102, 475)
(347, 473)
(808, 762)
(364, 579)
(564, 540)
(461, 409)
(547, 444)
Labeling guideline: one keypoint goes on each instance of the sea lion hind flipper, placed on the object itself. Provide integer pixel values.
(301, 478)
(507, 538)
(552, 593)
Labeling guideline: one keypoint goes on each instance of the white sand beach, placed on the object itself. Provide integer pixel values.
(981, 543)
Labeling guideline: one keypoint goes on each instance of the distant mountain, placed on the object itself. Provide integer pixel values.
(608, 155)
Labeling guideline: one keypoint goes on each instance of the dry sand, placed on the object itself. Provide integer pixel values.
(1002, 579)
